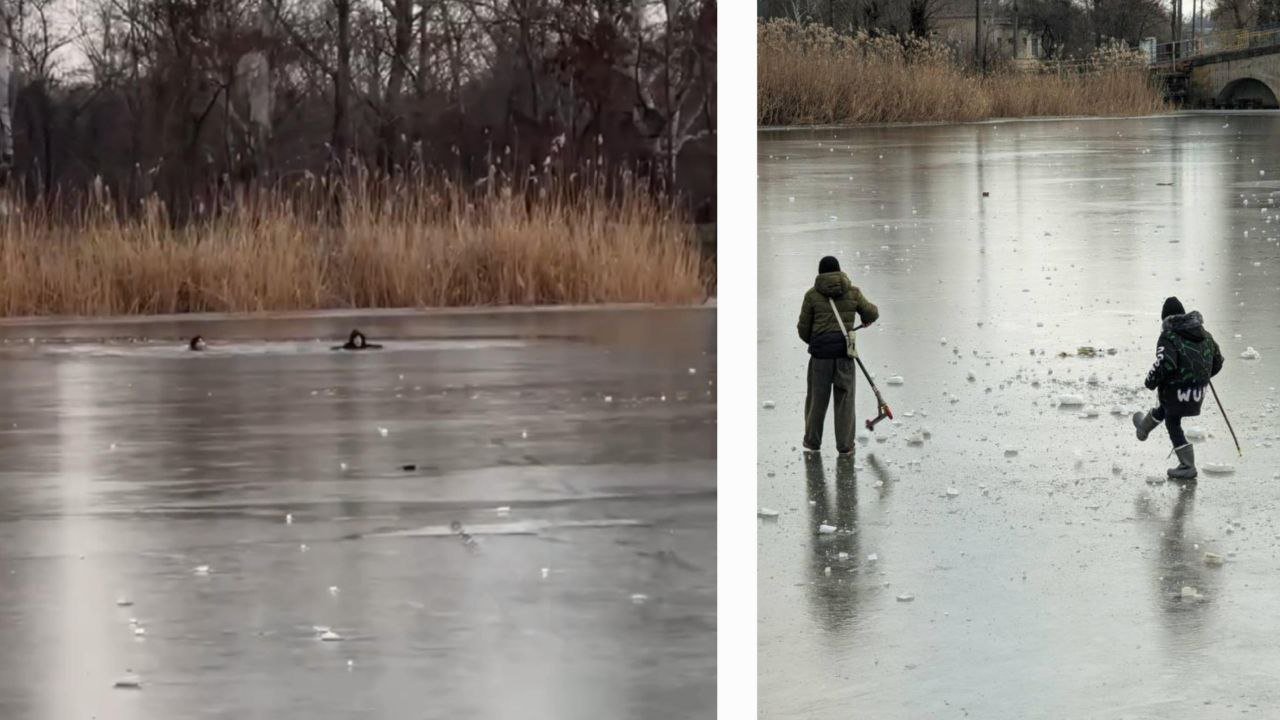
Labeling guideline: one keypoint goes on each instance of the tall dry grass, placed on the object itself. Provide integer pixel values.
(420, 243)
(809, 75)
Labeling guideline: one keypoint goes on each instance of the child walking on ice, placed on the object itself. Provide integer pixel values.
(1186, 357)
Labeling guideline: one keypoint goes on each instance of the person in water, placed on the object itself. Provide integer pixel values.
(830, 366)
(197, 344)
(1186, 357)
(357, 341)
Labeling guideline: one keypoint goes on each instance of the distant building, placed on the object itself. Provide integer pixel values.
(954, 24)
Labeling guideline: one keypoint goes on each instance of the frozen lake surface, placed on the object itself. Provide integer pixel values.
(1016, 563)
(197, 522)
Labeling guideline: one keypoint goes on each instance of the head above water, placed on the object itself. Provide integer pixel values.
(357, 339)
(197, 343)
(828, 264)
(1172, 306)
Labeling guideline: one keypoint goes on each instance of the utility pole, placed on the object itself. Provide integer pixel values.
(978, 57)
(1017, 38)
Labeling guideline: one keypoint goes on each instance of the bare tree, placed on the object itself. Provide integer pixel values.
(671, 95)
(193, 100)
(6, 75)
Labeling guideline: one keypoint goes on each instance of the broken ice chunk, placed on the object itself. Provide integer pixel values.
(129, 682)
(766, 513)
(916, 438)
(873, 557)
(1070, 401)
(952, 492)
(1196, 433)
(330, 636)
(202, 570)
(825, 529)
(895, 380)
(639, 598)
(123, 602)
(1213, 559)
(1250, 354)
(906, 597)
(842, 556)
(383, 431)
(767, 405)
(1011, 452)
(1218, 468)
(1118, 410)
(1190, 593)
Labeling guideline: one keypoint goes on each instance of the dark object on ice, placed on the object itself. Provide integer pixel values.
(357, 341)
(467, 540)
(986, 194)
(197, 344)
(409, 468)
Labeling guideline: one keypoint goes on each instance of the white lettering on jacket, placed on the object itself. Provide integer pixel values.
(1191, 394)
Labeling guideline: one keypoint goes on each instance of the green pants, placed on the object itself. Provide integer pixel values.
(823, 376)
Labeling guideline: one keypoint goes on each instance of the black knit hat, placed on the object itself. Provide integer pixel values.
(828, 264)
(1172, 306)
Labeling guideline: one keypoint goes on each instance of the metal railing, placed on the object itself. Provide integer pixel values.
(1213, 43)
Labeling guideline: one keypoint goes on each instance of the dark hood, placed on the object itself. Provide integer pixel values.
(1189, 326)
(832, 284)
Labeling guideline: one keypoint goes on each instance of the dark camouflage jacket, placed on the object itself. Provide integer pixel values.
(1186, 357)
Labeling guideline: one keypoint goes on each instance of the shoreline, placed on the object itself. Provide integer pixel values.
(403, 323)
(1003, 121)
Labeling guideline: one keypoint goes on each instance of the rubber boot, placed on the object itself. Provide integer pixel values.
(1186, 469)
(1145, 424)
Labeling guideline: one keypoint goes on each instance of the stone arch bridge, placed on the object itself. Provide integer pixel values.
(1236, 70)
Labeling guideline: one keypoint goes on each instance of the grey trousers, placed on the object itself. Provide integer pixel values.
(824, 375)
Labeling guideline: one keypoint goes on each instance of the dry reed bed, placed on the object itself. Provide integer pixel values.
(421, 246)
(808, 75)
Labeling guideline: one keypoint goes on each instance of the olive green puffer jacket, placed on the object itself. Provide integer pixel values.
(818, 326)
